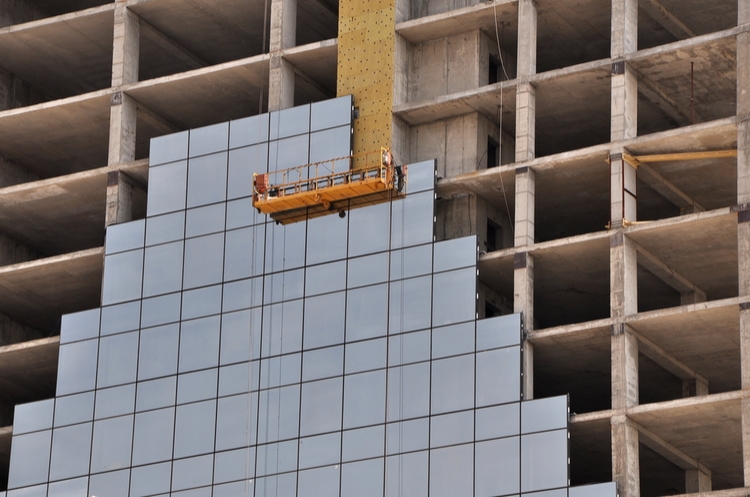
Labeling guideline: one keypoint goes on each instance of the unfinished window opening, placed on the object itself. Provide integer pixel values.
(590, 452)
(683, 20)
(317, 20)
(494, 236)
(490, 311)
(658, 475)
(656, 384)
(493, 152)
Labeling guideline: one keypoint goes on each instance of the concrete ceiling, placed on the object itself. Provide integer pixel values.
(315, 70)
(28, 370)
(317, 20)
(56, 7)
(37, 293)
(62, 56)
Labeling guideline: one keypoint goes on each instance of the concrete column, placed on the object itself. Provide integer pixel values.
(624, 27)
(625, 466)
(126, 46)
(280, 84)
(697, 481)
(525, 200)
(523, 302)
(525, 122)
(119, 197)
(694, 388)
(283, 24)
(623, 191)
(527, 31)
(624, 368)
(624, 117)
(122, 123)
(623, 279)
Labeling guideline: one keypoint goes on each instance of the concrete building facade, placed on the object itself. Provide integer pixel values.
(599, 150)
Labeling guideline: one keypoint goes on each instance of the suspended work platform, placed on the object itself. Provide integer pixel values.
(314, 190)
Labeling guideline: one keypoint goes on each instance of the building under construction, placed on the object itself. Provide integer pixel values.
(598, 150)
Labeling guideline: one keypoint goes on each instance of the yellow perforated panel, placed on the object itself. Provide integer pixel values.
(365, 69)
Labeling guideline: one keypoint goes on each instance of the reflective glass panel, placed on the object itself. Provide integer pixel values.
(161, 310)
(168, 148)
(115, 484)
(284, 286)
(409, 347)
(321, 407)
(276, 458)
(408, 436)
(410, 304)
(497, 470)
(239, 378)
(241, 213)
(421, 176)
(326, 239)
(237, 421)
(69, 488)
(282, 328)
(362, 479)
(33, 416)
(454, 297)
(150, 480)
(167, 188)
(408, 391)
(290, 152)
(500, 331)
(454, 254)
(366, 312)
(156, 393)
(364, 399)
(29, 460)
(196, 386)
(240, 336)
(125, 236)
(320, 482)
(167, 228)
(452, 471)
(158, 356)
(330, 113)
(333, 143)
(544, 414)
(498, 421)
(163, 269)
(452, 429)
(413, 261)
(153, 436)
(201, 302)
(79, 326)
(209, 139)
(412, 220)
(544, 460)
(278, 414)
(71, 449)
(278, 371)
(76, 368)
(205, 220)
(453, 384)
(118, 359)
(325, 278)
(453, 340)
(498, 376)
(364, 356)
(112, 443)
(244, 254)
(121, 317)
(363, 443)
(407, 475)
(207, 179)
(289, 122)
(367, 270)
(323, 363)
(277, 486)
(71, 409)
(324, 320)
(248, 131)
(320, 450)
(115, 401)
(195, 425)
(234, 465)
(204, 260)
(122, 277)
(242, 294)
(199, 344)
(193, 472)
(285, 246)
(368, 229)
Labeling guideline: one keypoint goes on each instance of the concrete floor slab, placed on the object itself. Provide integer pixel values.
(62, 56)
(56, 7)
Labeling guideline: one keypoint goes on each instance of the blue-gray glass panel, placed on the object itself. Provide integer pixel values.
(421, 176)
(80, 326)
(410, 304)
(412, 220)
(285, 246)
(241, 213)
(368, 270)
(199, 344)
(319, 451)
(598, 490)
(282, 328)
(201, 385)
(76, 367)
(363, 443)
(239, 378)
(498, 421)
(158, 354)
(413, 261)
(234, 465)
(453, 384)
(330, 113)
(454, 297)
(240, 336)
(452, 471)
(150, 480)
(237, 421)
(368, 229)
(242, 294)
(366, 312)
(324, 320)
(544, 414)
(454, 254)
(289, 153)
(248, 131)
(452, 429)
(115, 401)
(205, 220)
(112, 444)
(497, 467)
(155, 394)
(453, 340)
(407, 475)
(163, 269)
(38, 491)
(277, 486)
(115, 484)
(195, 425)
(72, 409)
(209, 139)
(167, 188)
(122, 277)
(288, 285)
(243, 163)
(125, 236)
(408, 391)
(278, 414)
(560, 492)
(276, 458)
(204, 261)
(498, 376)
(323, 363)
(193, 472)
(326, 239)
(320, 482)
(71, 450)
(544, 460)
(153, 436)
(500, 331)
(169, 148)
(365, 356)
(320, 411)
(334, 143)
(325, 278)
(280, 371)
(201, 302)
(69, 488)
(166, 228)
(207, 179)
(243, 255)
(161, 310)
(364, 399)
(362, 479)
(408, 348)
(118, 360)
(289, 122)
(408, 436)
(121, 317)
(33, 416)
(29, 461)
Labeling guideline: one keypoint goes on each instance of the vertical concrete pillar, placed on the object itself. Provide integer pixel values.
(280, 84)
(527, 28)
(525, 200)
(525, 92)
(624, 117)
(697, 481)
(126, 46)
(119, 198)
(623, 191)
(122, 123)
(623, 280)
(625, 466)
(523, 302)
(624, 368)
(283, 24)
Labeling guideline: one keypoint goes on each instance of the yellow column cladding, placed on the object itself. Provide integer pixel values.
(366, 48)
